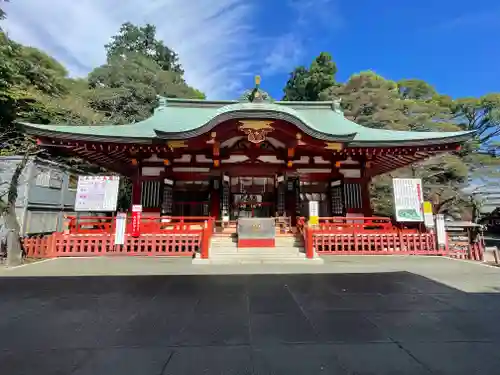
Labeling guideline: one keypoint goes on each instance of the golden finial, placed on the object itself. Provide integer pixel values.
(257, 80)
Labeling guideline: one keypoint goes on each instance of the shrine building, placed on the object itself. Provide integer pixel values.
(252, 157)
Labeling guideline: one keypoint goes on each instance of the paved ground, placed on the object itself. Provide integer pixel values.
(354, 315)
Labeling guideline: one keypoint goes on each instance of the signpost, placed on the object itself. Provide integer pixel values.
(136, 220)
(121, 222)
(428, 215)
(97, 193)
(313, 213)
(441, 231)
(408, 199)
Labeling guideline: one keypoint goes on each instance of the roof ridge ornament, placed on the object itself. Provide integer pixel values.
(337, 107)
(255, 94)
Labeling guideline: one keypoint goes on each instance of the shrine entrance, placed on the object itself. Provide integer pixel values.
(252, 197)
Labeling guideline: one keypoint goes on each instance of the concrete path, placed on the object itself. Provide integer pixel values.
(352, 315)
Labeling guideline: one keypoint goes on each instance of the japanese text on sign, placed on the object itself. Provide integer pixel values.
(408, 199)
(97, 193)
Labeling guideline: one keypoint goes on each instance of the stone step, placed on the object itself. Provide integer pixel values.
(281, 261)
(256, 256)
(284, 249)
(266, 249)
(277, 239)
(278, 242)
(258, 260)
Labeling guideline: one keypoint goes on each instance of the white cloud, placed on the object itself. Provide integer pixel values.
(324, 14)
(210, 36)
(472, 20)
(284, 55)
(311, 19)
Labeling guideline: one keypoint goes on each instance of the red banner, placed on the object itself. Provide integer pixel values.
(136, 220)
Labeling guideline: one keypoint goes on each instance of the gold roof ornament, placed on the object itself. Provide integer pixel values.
(334, 146)
(255, 124)
(256, 130)
(176, 144)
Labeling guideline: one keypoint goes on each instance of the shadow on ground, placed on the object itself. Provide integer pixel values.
(376, 323)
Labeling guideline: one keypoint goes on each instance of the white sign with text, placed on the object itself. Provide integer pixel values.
(97, 193)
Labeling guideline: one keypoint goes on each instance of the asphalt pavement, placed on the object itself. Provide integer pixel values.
(373, 322)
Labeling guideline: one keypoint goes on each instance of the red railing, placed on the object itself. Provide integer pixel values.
(361, 224)
(364, 236)
(93, 236)
(70, 245)
(149, 224)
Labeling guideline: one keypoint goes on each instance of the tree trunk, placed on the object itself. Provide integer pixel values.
(14, 248)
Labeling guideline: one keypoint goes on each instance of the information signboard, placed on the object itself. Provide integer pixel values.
(428, 215)
(121, 222)
(313, 213)
(408, 199)
(136, 220)
(441, 235)
(97, 193)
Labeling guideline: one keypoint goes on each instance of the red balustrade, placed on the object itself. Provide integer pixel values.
(70, 245)
(150, 224)
(364, 236)
(183, 236)
(94, 236)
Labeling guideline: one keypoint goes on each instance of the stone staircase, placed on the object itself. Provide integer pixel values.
(288, 250)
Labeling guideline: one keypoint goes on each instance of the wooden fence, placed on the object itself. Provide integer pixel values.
(70, 245)
(161, 239)
(374, 236)
(184, 237)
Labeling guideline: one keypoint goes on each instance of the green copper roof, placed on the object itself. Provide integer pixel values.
(181, 119)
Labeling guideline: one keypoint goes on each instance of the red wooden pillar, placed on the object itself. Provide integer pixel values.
(206, 238)
(309, 242)
(365, 189)
(136, 191)
(215, 199)
(365, 197)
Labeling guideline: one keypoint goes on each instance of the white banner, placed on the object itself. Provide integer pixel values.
(121, 222)
(97, 193)
(441, 230)
(408, 199)
(313, 213)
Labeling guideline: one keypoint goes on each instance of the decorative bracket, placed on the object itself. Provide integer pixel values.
(256, 130)
(334, 146)
(176, 144)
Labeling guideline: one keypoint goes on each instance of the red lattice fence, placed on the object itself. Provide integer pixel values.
(375, 244)
(71, 245)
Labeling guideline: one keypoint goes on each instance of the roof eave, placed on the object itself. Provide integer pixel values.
(37, 131)
(345, 138)
(461, 138)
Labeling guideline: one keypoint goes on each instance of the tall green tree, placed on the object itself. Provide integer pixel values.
(142, 40)
(126, 88)
(416, 89)
(479, 114)
(306, 84)
(2, 12)
(369, 100)
(33, 88)
(411, 104)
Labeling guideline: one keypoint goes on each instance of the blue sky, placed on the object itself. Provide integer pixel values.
(224, 43)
